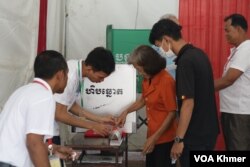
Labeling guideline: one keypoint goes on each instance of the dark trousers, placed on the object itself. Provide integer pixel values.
(185, 156)
(2, 164)
(236, 131)
(160, 156)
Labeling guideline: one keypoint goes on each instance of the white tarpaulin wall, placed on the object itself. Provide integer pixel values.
(18, 44)
(87, 20)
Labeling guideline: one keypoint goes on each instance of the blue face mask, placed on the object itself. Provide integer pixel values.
(163, 53)
(168, 54)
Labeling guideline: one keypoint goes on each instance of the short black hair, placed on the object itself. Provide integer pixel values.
(165, 27)
(101, 59)
(48, 63)
(146, 57)
(237, 20)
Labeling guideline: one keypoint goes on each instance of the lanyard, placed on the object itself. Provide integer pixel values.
(229, 59)
(80, 81)
(40, 84)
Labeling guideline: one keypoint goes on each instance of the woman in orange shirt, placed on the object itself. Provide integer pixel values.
(158, 95)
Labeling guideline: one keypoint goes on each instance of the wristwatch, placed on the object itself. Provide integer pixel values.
(177, 139)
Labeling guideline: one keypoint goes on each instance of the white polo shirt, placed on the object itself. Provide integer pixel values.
(72, 90)
(30, 109)
(236, 98)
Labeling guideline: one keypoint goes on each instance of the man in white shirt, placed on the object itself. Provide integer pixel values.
(27, 119)
(234, 86)
(98, 65)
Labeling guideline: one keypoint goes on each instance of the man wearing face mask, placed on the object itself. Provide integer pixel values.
(161, 48)
(169, 56)
(198, 126)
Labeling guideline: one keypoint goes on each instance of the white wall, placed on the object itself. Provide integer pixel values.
(18, 44)
(56, 25)
(87, 20)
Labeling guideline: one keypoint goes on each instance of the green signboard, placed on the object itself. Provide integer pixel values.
(123, 41)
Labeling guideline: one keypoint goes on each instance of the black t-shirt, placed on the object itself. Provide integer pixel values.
(194, 79)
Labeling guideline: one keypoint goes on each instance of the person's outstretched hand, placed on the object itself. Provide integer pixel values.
(101, 129)
(107, 119)
(64, 152)
(121, 119)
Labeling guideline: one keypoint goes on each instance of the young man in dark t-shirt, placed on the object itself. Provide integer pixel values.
(198, 126)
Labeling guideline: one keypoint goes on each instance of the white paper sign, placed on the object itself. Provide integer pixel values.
(113, 95)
